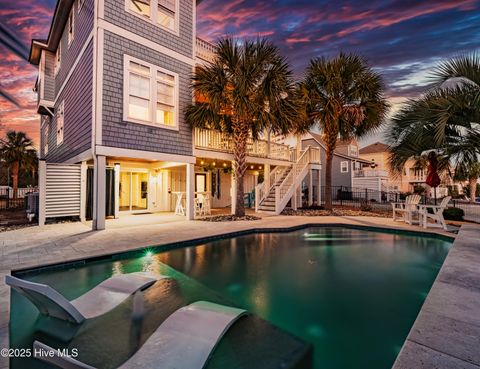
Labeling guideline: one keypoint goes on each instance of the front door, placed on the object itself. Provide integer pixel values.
(200, 182)
(133, 191)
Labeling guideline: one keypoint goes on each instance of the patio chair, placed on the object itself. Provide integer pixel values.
(436, 215)
(98, 301)
(186, 339)
(406, 209)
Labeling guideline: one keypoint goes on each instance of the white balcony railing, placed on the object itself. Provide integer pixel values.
(211, 140)
(205, 50)
(370, 173)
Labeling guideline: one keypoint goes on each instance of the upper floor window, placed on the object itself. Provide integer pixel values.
(45, 138)
(60, 122)
(161, 12)
(58, 57)
(80, 4)
(353, 150)
(71, 26)
(150, 94)
(344, 167)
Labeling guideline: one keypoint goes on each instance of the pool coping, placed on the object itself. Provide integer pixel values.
(446, 332)
(196, 241)
(301, 222)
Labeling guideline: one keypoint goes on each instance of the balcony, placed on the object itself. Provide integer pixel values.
(205, 139)
(205, 50)
(370, 173)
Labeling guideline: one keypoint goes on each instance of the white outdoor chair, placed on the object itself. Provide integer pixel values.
(436, 215)
(407, 209)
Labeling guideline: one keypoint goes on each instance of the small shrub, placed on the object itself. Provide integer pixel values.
(365, 206)
(453, 214)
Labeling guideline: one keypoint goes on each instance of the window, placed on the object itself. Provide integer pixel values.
(60, 122)
(166, 13)
(45, 138)
(160, 12)
(150, 94)
(71, 26)
(344, 167)
(58, 57)
(353, 150)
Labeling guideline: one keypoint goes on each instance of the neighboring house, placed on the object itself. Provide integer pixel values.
(378, 155)
(113, 83)
(345, 160)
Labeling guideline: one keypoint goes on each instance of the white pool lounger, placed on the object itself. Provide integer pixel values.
(98, 301)
(184, 340)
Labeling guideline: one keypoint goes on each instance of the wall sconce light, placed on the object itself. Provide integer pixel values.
(260, 167)
(224, 164)
(201, 163)
(213, 163)
(251, 166)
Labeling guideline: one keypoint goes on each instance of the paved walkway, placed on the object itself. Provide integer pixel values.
(56, 243)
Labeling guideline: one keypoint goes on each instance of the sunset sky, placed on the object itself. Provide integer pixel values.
(404, 39)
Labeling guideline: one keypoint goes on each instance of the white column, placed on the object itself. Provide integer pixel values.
(319, 187)
(233, 193)
(83, 190)
(266, 175)
(99, 193)
(310, 187)
(42, 183)
(117, 189)
(190, 192)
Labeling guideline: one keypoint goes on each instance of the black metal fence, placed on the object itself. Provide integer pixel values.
(9, 200)
(471, 209)
(356, 197)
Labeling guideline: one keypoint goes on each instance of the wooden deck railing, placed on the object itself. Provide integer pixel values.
(211, 140)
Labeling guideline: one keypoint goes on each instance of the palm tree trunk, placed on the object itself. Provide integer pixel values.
(15, 168)
(472, 184)
(328, 178)
(240, 136)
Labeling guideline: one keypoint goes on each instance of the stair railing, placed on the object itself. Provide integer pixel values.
(283, 190)
(262, 190)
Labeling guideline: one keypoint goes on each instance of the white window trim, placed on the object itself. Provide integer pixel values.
(344, 167)
(46, 134)
(153, 16)
(58, 58)
(153, 94)
(72, 14)
(60, 109)
(80, 5)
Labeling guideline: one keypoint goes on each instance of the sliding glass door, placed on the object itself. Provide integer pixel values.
(133, 192)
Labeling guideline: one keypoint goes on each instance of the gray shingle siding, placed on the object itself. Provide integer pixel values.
(83, 26)
(115, 13)
(77, 97)
(128, 135)
(338, 178)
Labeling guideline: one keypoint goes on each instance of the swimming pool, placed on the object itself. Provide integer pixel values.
(353, 294)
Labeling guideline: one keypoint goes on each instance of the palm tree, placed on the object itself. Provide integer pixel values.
(446, 118)
(16, 149)
(469, 173)
(248, 89)
(344, 97)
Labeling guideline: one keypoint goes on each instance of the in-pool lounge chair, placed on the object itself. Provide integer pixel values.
(185, 340)
(98, 301)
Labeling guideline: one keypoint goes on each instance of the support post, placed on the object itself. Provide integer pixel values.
(319, 188)
(233, 193)
(266, 176)
(42, 184)
(83, 191)
(310, 187)
(99, 192)
(190, 192)
(116, 169)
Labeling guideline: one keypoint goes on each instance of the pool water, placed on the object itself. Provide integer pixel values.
(353, 294)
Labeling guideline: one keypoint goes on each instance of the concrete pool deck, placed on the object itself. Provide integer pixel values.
(58, 243)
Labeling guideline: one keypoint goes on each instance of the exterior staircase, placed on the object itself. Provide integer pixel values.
(272, 197)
